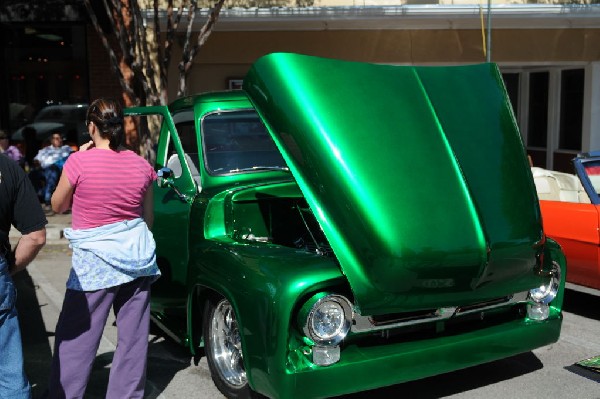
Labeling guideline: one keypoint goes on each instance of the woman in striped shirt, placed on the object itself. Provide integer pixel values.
(109, 190)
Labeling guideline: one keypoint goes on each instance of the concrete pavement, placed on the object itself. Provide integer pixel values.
(54, 229)
(170, 374)
(38, 303)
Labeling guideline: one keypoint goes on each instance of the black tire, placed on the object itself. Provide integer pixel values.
(223, 349)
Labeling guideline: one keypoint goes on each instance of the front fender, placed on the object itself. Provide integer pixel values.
(264, 284)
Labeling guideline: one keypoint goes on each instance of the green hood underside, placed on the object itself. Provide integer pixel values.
(417, 175)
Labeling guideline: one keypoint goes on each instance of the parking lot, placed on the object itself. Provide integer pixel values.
(546, 372)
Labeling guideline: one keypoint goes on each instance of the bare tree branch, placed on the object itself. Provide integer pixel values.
(189, 54)
(206, 31)
(134, 25)
(171, 27)
(116, 22)
(186, 50)
(142, 65)
(161, 90)
(188, 35)
(113, 58)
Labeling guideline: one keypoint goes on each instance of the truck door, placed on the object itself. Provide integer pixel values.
(172, 204)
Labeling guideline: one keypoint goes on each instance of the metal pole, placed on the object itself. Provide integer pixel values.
(488, 53)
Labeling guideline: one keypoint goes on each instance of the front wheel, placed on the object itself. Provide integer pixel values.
(223, 348)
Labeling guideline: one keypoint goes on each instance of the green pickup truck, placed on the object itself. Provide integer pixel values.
(339, 226)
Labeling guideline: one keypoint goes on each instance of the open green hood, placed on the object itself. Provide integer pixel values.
(417, 175)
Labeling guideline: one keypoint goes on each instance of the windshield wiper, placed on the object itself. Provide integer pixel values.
(257, 168)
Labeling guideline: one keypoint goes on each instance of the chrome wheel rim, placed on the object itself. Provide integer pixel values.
(226, 345)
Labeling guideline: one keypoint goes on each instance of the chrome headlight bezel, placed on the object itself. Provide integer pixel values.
(329, 320)
(544, 294)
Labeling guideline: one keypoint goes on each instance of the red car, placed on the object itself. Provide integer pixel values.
(570, 207)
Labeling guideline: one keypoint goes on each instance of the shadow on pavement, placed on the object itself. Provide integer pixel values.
(584, 372)
(36, 347)
(165, 357)
(458, 381)
(160, 370)
(582, 304)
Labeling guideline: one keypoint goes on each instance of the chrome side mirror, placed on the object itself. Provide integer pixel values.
(165, 180)
(165, 177)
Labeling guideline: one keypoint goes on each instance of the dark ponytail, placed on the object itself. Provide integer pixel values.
(107, 115)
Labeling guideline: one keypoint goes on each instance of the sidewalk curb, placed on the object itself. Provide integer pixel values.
(54, 230)
(53, 233)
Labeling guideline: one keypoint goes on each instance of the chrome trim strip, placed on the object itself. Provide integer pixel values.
(511, 300)
(362, 324)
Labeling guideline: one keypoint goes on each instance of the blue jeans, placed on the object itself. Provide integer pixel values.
(44, 181)
(13, 382)
(51, 175)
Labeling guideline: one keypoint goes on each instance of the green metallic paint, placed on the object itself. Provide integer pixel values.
(265, 284)
(364, 368)
(207, 104)
(426, 202)
(171, 218)
(273, 190)
(220, 205)
(214, 224)
(399, 186)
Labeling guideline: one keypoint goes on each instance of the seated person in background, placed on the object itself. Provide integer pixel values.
(51, 160)
(10, 150)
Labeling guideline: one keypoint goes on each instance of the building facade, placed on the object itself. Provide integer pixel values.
(549, 55)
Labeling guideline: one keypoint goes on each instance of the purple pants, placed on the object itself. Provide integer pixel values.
(78, 333)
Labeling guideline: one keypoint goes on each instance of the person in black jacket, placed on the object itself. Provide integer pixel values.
(19, 207)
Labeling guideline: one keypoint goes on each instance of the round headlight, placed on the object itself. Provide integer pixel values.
(329, 320)
(545, 293)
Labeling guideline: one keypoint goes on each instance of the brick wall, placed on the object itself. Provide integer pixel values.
(103, 82)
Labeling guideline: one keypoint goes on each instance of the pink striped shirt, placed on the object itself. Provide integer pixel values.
(109, 186)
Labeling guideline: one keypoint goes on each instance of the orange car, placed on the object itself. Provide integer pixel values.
(570, 207)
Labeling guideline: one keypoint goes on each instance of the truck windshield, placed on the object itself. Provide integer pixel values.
(238, 142)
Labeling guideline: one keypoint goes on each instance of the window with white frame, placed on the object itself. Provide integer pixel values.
(548, 104)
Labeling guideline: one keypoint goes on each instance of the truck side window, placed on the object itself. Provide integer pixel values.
(187, 136)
